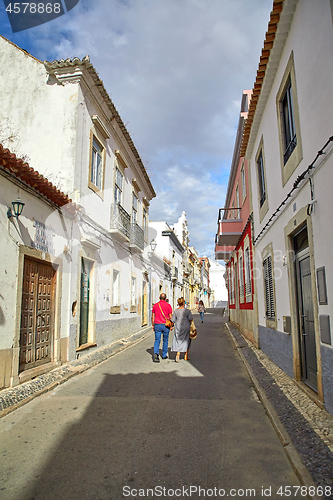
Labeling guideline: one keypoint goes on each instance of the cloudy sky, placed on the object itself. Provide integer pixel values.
(175, 70)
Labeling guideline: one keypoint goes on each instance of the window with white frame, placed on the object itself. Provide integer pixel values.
(115, 288)
(247, 268)
(134, 207)
(96, 166)
(241, 276)
(118, 187)
(243, 183)
(269, 287)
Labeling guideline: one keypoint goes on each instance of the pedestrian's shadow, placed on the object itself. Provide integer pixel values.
(171, 354)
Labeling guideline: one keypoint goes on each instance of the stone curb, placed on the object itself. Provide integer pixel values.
(15, 397)
(301, 471)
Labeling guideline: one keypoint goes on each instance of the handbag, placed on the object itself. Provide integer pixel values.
(168, 322)
(193, 331)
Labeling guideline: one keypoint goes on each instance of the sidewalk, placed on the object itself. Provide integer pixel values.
(14, 397)
(308, 427)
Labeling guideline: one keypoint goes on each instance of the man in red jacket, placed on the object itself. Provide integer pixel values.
(160, 313)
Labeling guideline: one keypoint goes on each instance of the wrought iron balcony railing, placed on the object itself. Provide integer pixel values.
(120, 221)
(174, 274)
(137, 237)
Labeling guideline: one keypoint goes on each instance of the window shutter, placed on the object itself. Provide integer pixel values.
(269, 289)
(248, 287)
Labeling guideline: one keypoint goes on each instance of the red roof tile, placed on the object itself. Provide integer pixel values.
(32, 178)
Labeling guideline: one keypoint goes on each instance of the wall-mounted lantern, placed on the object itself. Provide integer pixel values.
(17, 209)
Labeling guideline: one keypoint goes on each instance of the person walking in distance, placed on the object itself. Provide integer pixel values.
(160, 313)
(201, 310)
(181, 340)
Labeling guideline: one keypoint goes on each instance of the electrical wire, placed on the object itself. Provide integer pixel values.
(297, 182)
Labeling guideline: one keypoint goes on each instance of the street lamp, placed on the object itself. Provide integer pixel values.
(152, 245)
(17, 209)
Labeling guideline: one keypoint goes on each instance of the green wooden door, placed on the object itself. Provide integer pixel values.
(84, 301)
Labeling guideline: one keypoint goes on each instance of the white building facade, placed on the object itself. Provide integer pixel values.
(168, 250)
(217, 284)
(290, 120)
(62, 118)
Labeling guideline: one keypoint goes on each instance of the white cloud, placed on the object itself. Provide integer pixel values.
(175, 71)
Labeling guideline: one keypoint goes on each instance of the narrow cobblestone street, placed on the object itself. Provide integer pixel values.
(129, 425)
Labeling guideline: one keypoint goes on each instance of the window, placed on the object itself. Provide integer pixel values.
(269, 288)
(145, 223)
(118, 188)
(96, 167)
(133, 294)
(231, 285)
(115, 288)
(289, 131)
(247, 266)
(237, 202)
(288, 120)
(241, 277)
(261, 179)
(134, 208)
(243, 183)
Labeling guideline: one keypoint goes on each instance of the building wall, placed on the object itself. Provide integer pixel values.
(310, 39)
(18, 241)
(59, 145)
(27, 91)
(217, 281)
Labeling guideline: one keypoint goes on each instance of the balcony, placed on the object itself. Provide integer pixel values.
(174, 273)
(136, 238)
(230, 227)
(120, 223)
(223, 252)
(186, 271)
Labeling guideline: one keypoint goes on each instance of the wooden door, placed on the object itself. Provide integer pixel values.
(37, 323)
(306, 320)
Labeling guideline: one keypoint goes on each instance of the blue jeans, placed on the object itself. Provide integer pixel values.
(201, 315)
(161, 329)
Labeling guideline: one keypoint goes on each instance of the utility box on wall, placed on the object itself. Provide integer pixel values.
(325, 329)
(287, 324)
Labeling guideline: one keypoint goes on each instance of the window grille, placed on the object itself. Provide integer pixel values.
(269, 288)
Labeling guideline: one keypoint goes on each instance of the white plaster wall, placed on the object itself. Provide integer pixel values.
(19, 232)
(216, 281)
(311, 40)
(40, 115)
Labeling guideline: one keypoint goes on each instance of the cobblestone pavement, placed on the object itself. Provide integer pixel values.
(12, 398)
(309, 427)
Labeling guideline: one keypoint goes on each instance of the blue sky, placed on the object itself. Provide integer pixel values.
(175, 70)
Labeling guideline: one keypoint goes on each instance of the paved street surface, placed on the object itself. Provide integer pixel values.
(129, 425)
